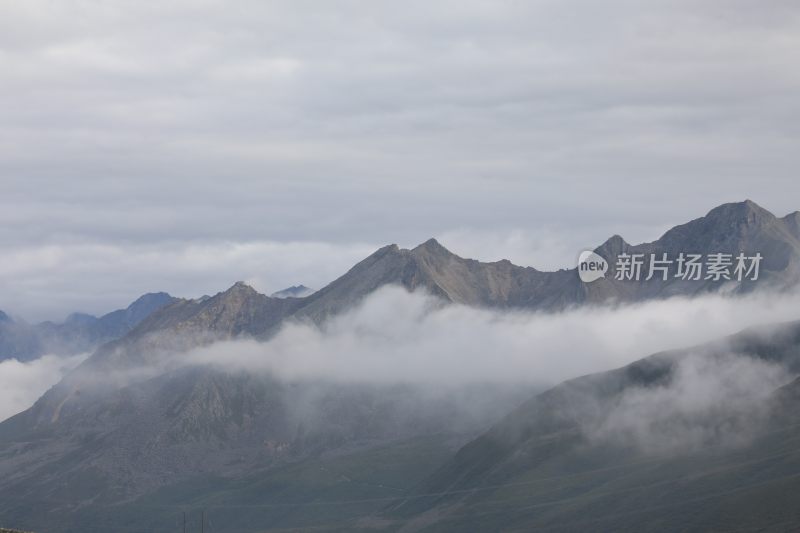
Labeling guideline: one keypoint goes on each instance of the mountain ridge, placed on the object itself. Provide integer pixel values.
(730, 228)
(243, 311)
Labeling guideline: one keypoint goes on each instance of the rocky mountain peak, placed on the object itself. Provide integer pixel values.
(431, 246)
(729, 227)
(295, 291)
(792, 221)
(150, 299)
(240, 288)
(612, 247)
(145, 305)
(747, 212)
(80, 319)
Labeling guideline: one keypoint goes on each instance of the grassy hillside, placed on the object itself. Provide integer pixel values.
(328, 491)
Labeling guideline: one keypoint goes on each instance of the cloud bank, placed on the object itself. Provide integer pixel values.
(21, 384)
(707, 402)
(399, 338)
(396, 336)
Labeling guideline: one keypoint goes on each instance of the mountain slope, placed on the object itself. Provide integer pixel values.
(572, 457)
(198, 434)
(127, 426)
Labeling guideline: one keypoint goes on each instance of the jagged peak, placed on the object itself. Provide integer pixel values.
(149, 297)
(792, 217)
(615, 240)
(718, 223)
(383, 250)
(431, 246)
(746, 210)
(4, 317)
(76, 318)
(792, 221)
(295, 291)
(613, 245)
(240, 288)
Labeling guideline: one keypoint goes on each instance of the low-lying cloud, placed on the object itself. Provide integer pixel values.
(21, 383)
(396, 336)
(708, 401)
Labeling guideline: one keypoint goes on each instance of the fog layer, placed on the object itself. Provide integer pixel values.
(396, 336)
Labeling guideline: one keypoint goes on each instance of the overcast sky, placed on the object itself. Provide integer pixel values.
(183, 145)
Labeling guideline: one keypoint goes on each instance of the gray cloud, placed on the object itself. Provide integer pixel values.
(708, 402)
(21, 384)
(352, 122)
(399, 337)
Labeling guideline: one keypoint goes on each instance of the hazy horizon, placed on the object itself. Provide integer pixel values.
(185, 147)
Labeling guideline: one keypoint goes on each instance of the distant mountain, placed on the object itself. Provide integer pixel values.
(78, 333)
(295, 291)
(543, 466)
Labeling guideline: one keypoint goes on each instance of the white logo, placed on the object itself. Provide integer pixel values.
(591, 266)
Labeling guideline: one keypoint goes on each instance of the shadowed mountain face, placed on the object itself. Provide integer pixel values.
(102, 445)
(126, 425)
(78, 333)
(648, 447)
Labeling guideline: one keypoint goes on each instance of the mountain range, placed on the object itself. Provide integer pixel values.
(129, 438)
(731, 228)
(79, 333)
